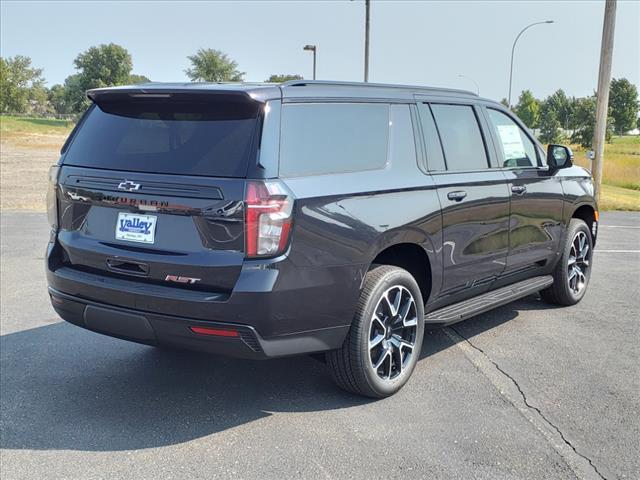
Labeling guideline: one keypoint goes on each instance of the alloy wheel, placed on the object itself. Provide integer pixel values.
(392, 335)
(578, 263)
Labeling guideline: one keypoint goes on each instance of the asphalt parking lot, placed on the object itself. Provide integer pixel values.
(527, 391)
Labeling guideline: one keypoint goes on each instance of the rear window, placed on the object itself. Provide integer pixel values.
(167, 135)
(333, 138)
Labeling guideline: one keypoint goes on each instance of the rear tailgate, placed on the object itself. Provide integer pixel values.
(196, 231)
(152, 187)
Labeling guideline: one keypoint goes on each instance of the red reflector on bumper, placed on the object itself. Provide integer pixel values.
(218, 332)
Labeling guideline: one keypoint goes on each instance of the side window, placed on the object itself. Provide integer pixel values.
(461, 138)
(402, 145)
(516, 147)
(435, 158)
(322, 138)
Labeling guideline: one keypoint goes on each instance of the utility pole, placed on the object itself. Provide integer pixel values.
(367, 6)
(604, 80)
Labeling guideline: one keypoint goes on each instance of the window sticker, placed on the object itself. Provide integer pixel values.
(511, 140)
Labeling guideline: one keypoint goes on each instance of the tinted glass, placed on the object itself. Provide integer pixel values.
(402, 145)
(435, 159)
(167, 136)
(332, 138)
(517, 149)
(461, 138)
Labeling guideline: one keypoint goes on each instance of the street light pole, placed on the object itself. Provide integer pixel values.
(313, 49)
(513, 49)
(474, 82)
(366, 40)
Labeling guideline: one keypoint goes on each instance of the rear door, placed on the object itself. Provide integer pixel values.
(152, 188)
(473, 195)
(536, 194)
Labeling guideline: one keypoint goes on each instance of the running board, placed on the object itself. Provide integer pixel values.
(488, 301)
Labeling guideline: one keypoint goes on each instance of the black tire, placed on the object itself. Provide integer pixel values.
(561, 292)
(352, 365)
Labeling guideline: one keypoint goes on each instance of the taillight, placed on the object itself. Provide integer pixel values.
(52, 197)
(269, 207)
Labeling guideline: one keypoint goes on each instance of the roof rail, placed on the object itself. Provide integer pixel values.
(332, 83)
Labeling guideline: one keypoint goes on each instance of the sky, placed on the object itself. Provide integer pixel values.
(412, 42)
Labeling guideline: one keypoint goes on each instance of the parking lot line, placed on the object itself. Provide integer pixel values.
(617, 251)
(619, 226)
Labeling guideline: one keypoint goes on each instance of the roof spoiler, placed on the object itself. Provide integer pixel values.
(99, 95)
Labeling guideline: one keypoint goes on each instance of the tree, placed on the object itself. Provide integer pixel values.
(209, 65)
(21, 86)
(75, 99)
(528, 109)
(584, 118)
(57, 99)
(549, 124)
(562, 106)
(283, 77)
(100, 66)
(623, 104)
(104, 66)
(505, 102)
(136, 79)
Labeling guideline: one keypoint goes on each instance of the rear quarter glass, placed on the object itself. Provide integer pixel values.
(170, 136)
(325, 138)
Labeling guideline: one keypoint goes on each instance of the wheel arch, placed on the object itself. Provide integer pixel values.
(588, 214)
(411, 257)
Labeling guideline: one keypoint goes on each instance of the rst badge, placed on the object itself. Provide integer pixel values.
(136, 228)
(181, 279)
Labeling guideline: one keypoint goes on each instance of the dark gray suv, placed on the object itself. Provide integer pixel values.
(261, 220)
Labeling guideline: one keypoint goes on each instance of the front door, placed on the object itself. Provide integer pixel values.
(536, 195)
(474, 198)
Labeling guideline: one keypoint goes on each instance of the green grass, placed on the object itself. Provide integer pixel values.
(621, 162)
(617, 198)
(626, 144)
(620, 173)
(13, 125)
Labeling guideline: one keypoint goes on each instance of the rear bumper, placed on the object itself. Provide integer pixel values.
(277, 309)
(175, 331)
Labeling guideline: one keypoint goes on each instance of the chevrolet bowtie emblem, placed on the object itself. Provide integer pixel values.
(129, 186)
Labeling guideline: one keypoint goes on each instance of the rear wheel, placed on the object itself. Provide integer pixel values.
(384, 342)
(572, 273)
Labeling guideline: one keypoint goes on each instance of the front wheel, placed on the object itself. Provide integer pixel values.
(572, 273)
(384, 342)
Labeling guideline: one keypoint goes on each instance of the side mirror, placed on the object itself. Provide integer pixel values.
(559, 156)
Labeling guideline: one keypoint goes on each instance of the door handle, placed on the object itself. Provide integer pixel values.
(457, 195)
(518, 189)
